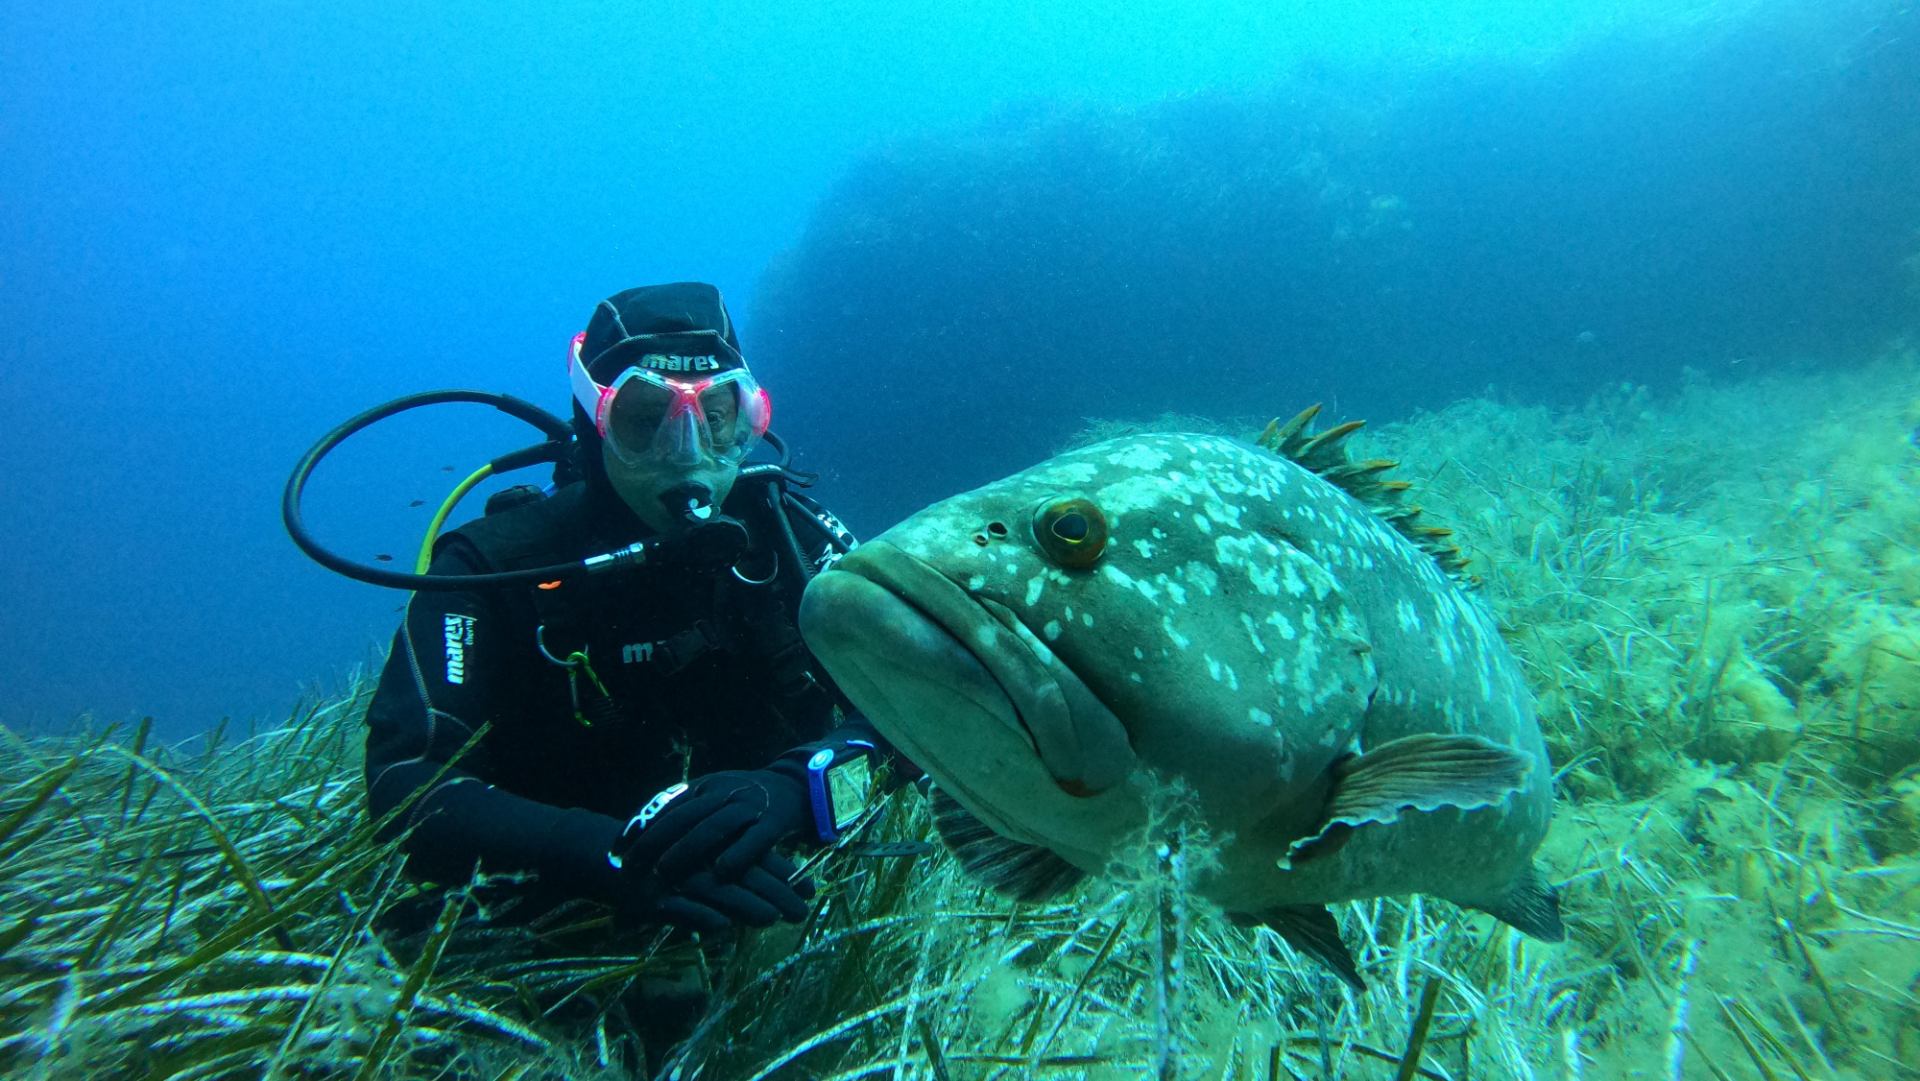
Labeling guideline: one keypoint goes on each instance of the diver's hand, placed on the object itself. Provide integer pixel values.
(762, 897)
(723, 823)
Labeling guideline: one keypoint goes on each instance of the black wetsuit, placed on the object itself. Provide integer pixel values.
(702, 671)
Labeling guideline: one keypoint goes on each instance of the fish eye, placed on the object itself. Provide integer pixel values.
(1072, 532)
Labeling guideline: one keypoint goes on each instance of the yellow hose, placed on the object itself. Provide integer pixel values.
(421, 564)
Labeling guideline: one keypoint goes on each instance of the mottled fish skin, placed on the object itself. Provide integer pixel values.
(1247, 625)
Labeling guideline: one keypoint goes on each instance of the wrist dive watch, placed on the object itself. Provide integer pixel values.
(840, 787)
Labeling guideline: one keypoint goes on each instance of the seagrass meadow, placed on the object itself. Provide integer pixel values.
(1716, 592)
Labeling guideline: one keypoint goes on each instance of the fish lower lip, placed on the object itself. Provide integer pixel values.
(926, 646)
(1008, 671)
(960, 645)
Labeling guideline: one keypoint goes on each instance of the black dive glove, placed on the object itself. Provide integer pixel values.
(761, 898)
(722, 822)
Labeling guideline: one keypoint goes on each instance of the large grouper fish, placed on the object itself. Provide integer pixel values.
(1267, 627)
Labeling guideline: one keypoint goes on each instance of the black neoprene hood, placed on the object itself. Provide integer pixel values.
(627, 323)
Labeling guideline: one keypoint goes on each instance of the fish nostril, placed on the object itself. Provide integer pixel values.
(980, 539)
(997, 529)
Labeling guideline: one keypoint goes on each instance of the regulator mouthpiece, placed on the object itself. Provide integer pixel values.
(690, 503)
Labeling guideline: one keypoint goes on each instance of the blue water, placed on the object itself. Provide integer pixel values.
(950, 236)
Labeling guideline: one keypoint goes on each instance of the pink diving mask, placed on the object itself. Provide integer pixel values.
(684, 398)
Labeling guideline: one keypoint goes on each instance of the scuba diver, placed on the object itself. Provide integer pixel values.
(651, 738)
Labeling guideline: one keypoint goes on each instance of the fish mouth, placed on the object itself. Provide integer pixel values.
(897, 633)
(877, 640)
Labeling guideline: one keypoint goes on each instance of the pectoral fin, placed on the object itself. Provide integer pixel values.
(1413, 773)
(1022, 871)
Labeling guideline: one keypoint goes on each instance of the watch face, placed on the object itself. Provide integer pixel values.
(849, 787)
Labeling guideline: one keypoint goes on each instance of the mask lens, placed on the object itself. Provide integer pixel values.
(680, 422)
(637, 414)
(720, 409)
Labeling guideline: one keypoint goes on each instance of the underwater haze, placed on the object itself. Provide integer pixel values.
(950, 237)
(1378, 232)
(231, 225)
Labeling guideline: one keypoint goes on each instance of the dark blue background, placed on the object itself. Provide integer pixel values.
(1378, 236)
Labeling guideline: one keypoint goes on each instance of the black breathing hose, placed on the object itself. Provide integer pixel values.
(558, 432)
(715, 536)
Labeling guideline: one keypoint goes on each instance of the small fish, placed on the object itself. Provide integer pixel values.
(446, 469)
(384, 557)
(418, 503)
(1266, 625)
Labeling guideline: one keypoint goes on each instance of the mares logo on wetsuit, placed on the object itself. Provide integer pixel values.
(459, 633)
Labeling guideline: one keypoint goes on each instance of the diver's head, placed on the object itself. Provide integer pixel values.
(664, 406)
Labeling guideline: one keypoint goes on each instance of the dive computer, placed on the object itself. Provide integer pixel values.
(840, 785)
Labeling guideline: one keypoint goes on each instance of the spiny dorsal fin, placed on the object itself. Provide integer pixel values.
(1326, 455)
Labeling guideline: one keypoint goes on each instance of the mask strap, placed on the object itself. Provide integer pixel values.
(590, 395)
